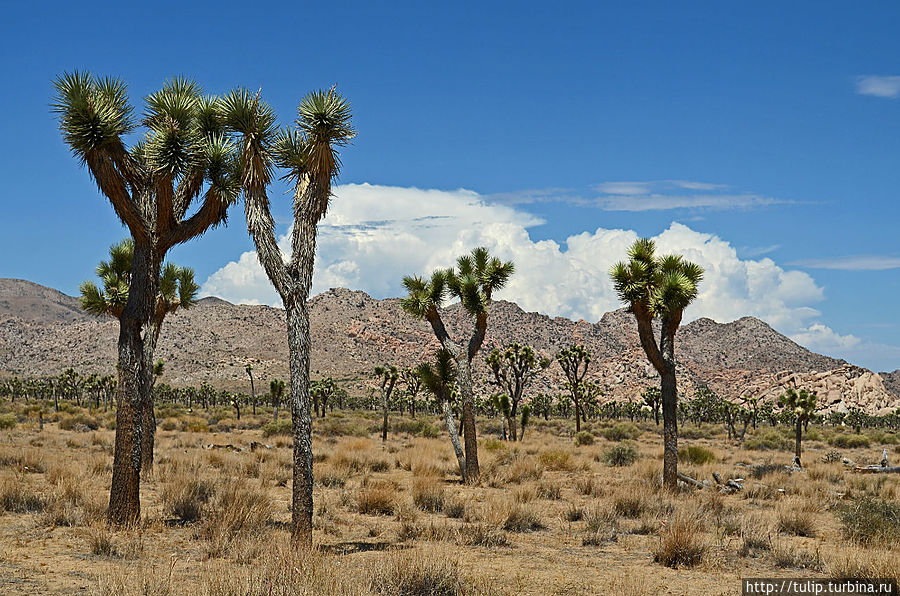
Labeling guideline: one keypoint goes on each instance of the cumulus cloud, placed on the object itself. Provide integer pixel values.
(374, 235)
(879, 86)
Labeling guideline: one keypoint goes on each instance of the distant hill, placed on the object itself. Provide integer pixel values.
(43, 332)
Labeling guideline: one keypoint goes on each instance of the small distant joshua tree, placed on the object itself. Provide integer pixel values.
(659, 287)
(413, 383)
(574, 361)
(513, 369)
(276, 392)
(321, 392)
(438, 379)
(800, 404)
(388, 376)
(177, 289)
(474, 280)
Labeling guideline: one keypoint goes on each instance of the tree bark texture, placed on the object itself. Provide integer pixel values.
(454, 439)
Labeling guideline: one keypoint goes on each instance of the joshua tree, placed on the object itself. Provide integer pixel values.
(388, 376)
(541, 405)
(276, 390)
(500, 402)
(513, 369)
(476, 277)
(438, 380)
(526, 417)
(249, 369)
(321, 391)
(574, 361)
(659, 288)
(800, 405)
(177, 289)
(413, 386)
(309, 155)
(652, 399)
(182, 158)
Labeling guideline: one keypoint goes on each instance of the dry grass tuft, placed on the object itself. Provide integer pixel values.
(376, 499)
(680, 542)
(428, 494)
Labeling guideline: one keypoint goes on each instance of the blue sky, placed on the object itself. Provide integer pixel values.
(769, 129)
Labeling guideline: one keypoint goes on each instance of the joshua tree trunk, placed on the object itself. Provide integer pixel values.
(669, 391)
(468, 418)
(454, 439)
(513, 434)
(301, 421)
(384, 412)
(135, 378)
(797, 437)
(577, 411)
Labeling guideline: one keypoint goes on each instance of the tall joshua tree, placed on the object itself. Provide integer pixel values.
(182, 159)
(514, 368)
(177, 289)
(659, 287)
(387, 376)
(476, 277)
(800, 404)
(438, 380)
(308, 153)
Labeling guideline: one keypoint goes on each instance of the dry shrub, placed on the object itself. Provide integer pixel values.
(796, 522)
(481, 534)
(518, 518)
(789, 557)
(756, 536)
(630, 505)
(236, 513)
(359, 456)
(28, 460)
(557, 459)
(416, 573)
(17, 495)
(376, 499)
(428, 494)
(573, 513)
(100, 541)
(871, 521)
(184, 495)
(454, 508)
(331, 475)
(854, 562)
(549, 490)
(680, 542)
(601, 526)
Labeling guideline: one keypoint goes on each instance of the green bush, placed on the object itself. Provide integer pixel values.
(584, 438)
(624, 454)
(72, 422)
(7, 421)
(622, 432)
(277, 427)
(695, 454)
(849, 441)
(416, 427)
(769, 440)
(494, 444)
(871, 521)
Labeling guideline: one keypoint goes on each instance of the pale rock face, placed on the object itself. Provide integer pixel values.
(43, 332)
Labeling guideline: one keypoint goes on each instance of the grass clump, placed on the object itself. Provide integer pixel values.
(17, 496)
(428, 494)
(680, 543)
(413, 573)
(584, 438)
(624, 431)
(849, 441)
(695, 454)
(277, 427)
(871, 521)
(184, 496)
(621, 455)
(376, 499)
(8, 421)
(78, 422)
(521, 519)
(797, 523)
(770, 440)
(556, 459)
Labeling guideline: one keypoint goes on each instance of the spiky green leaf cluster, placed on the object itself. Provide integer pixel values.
(801, 403)
(659, 286)
(93, 113)
(438, 378)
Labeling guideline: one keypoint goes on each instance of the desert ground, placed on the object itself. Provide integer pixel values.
(548, 516)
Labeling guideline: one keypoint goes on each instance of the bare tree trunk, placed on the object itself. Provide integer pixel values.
(468, 419)
(454, 439)
(134, 382)
(670, 431)
(301, 419)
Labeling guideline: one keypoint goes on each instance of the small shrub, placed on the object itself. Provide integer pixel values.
(601, 526)
(843, 441)
(770, 440)
(100, 542)
(630, 506)
(871, 521)
(377, 499)
(549, 490)
(573, 513)
(78, 422)
(695, 454)
(494, 445)
(680, 543)
(195, 424)
(184, 496)
(277, 427)
(584, 438)
(521, 519)
(832, 457)
(755, 536)
(8, 421)
(330, 475)
(237, 514)
(17, 496)
(482, 535)
(622, 432)
(556, 459)
(428, 494)
(454, 508)
(621, 455)
(797, 523)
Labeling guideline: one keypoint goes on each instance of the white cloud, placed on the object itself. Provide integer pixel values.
(625, 188)
(879, 86)
(852, 263)
(374, 235)
(657, 202)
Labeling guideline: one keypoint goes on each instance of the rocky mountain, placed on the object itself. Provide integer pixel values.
(43, 332)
